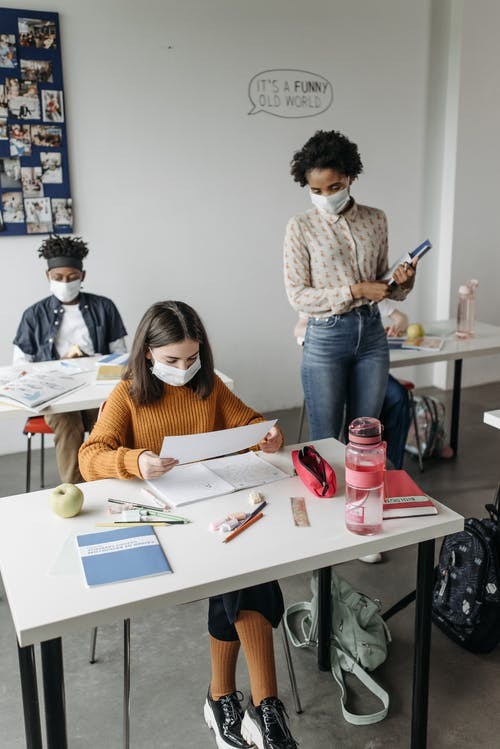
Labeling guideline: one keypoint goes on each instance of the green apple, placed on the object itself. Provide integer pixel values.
(415, 330)
(66, 500)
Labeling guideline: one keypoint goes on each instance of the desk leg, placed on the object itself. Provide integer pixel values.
(27, 670)
(324, 618)
(423, 622)
(53, 690)
(455, 408)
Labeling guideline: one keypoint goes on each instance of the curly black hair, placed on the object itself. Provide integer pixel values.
(58, 246)
(326, 150)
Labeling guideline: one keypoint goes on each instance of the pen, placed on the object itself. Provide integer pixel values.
(132, 504)
(252, 514)
(165, 515)
(243, 527)
(127, 523)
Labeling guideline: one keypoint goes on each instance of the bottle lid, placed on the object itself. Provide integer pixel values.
(466, 290)
(365, 430)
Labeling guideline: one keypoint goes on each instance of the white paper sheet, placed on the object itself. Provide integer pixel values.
(189, 483)
(194, 481)
(243, 471)
(190, 447)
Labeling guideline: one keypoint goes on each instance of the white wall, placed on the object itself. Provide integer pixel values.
(476, 246)
(182, 194)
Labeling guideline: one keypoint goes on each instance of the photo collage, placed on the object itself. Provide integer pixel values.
(35, 193)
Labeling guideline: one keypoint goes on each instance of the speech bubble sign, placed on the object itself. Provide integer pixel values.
(290, 93)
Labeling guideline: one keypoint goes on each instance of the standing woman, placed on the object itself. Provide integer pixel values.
(335, 255)
(170, 388)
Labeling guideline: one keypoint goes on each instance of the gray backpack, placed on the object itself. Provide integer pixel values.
(358, 643)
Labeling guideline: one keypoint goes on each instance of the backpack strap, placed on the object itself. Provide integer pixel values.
(342, 661)
(308, 625)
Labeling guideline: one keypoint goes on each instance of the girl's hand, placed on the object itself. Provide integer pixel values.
(152, 466)
(272, 441)
(404, 275)
(399, 323)
(375, 291)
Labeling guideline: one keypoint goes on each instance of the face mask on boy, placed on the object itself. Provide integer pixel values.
(65, 292)
(172, 375)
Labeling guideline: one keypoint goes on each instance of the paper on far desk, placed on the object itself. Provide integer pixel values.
(191, 447)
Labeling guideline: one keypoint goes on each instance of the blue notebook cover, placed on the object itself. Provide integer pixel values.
(121, 554)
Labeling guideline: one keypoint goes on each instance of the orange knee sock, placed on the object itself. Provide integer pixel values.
(223, 655)
(256, 637)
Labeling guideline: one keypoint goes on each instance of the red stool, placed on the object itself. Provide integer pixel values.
(410, 387)
(35, 425)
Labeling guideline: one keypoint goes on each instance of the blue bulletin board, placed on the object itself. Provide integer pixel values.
(35, 195)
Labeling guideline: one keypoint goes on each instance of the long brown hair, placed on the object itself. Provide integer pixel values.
(162, 324)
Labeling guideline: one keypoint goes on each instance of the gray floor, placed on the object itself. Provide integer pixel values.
(170, 663)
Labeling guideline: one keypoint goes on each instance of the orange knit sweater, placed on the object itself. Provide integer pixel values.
(125, 430)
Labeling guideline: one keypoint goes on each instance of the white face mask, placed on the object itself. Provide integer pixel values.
(65, 292)
(331, 203)
(174, 376)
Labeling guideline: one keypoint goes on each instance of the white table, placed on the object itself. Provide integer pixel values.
(492, 418)
(485, 341)
(91, 395)
(46, 607)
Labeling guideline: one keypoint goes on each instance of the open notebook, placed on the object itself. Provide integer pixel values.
(195, 481)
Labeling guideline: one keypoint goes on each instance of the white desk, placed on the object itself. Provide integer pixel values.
(90, 395)
(492, 418)
(45, 607)
(486, 341)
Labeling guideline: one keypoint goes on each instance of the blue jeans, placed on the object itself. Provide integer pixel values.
(396, 417)
(345, 365)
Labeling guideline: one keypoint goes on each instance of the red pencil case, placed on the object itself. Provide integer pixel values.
(314, 471)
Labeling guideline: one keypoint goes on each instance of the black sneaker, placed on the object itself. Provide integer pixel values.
(224, 717)
(266, 727)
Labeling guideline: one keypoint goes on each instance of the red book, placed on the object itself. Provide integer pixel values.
(403, 497)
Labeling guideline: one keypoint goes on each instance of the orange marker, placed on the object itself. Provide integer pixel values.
(243, 527)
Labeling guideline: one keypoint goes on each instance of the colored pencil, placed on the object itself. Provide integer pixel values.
(243, 527)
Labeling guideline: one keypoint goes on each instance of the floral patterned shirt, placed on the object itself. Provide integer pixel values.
(325, 254)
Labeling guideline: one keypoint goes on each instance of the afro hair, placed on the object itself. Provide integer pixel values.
(326, 150)
(57, 246)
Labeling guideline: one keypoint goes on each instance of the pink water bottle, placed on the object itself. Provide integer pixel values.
(364, 476)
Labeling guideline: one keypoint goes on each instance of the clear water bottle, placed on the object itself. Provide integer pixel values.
(364, 476)
(466, 310)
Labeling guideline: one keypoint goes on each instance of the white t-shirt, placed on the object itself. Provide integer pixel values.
(72, 331)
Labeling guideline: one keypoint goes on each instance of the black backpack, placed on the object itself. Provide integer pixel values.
(466, 596)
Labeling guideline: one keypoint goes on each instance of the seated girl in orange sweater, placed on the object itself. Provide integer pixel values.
(170, 388)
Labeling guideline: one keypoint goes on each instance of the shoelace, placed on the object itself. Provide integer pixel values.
(273, 713)
(231, 707)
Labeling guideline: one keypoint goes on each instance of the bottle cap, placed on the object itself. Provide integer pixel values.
(466, 290)
(365, 430)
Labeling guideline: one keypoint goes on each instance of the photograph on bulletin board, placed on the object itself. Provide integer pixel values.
(35, 196)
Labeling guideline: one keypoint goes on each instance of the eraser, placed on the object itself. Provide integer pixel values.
(237, 516)
(215, 525)
(255, 498)
(229, 525)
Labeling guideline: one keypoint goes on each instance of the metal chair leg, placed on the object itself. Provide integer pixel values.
(301, 420)
(126, 683)
(417, 438)
(93, 640)
(291, 670)
(42, 462)
(28, 462)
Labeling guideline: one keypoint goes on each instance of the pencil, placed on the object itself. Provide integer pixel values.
(243, 527)
(127, 524)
